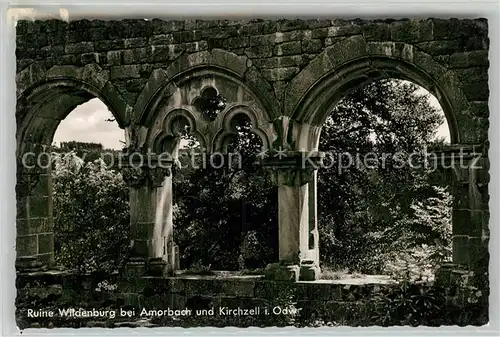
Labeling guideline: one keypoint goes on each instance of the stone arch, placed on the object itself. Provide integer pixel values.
(52, 94)
(168, 134)
(45, 97)
(226, 128)
(352, 62)
(164, 82)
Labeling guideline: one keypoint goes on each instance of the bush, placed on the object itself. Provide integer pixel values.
(91, 215)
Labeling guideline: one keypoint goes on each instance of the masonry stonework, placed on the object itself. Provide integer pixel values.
(285, 75)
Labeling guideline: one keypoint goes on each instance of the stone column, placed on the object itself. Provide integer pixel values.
(313, 252)
(34, 221)
(467, 169)
(292, 173)
(146, 175)
(470, 217)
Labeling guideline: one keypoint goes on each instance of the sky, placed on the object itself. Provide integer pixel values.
(87, 123)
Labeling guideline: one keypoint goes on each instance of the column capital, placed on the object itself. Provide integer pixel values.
(292, 168)
(146, 169)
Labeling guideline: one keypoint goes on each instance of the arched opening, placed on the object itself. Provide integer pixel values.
(86, 185)
(49, 174)
(384, 209)
(240, 235)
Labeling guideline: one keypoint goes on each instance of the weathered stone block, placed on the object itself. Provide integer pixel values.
(39, 206)
(469, 59)
(135, 85)
(312, 46)
(217, 33)
(288, 48)
(472, 75)
(412, 31)
(45, 243)
(87, 58)
(280, 74)
(320, 33)
(98, 33)
(391, 49)
(259, 51)
(162, 39)
(166, 53)
(461, 249)
(145, 230)
(268, 39)
(284, 61)
(114, 57)
(79, 48)
(478, 246)
(346, 30)
(277, 272)
(316, 68)
(477, 91)
(236, 42)
(440, 47)
(26, 245)
(376, 32)
(197, 46)
(462, 222)
(285, 25)
(135, 42)
(446, 28)
(67, 60)
(106, 45)
(126, 71)
(228, 60)
(187, 36)
(35, 72)
(136, 55)
(349, 48)
(239, 288)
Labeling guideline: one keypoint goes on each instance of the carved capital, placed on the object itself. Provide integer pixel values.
(156, 175)
(134, 176)
(293, 168)
(141, 170)
(290, 176)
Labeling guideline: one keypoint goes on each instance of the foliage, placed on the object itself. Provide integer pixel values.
(373, 217)
(409, 304)
(242, 232)
(91, 215)
(378, 208)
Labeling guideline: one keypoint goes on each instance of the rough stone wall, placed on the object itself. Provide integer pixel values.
(128, 61)
(131, 49)
(336, 303)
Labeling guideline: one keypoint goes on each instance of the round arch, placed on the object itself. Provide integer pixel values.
(351, 63)
(47, 98)
(226, 129)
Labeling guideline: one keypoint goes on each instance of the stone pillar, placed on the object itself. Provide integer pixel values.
(313, 253)
(470, 217)
(467, 168)
(146, 175)
(293, 173)
(34, 221)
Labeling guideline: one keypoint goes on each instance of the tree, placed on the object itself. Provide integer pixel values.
(388, 122)
(91, 215)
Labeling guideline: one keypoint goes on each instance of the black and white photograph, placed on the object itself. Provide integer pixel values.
(252, 172)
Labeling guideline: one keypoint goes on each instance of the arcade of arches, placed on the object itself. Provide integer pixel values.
(285, 75)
